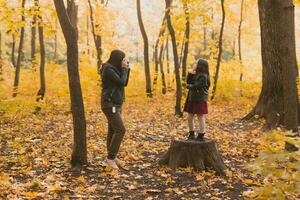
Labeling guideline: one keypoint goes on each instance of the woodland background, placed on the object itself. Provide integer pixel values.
(37, 127)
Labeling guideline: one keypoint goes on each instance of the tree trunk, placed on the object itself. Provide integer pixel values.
(240, 39)
(33, 37)
(42, 90)
(198, 155)
(278, 101)
(97, 38)
(176, 63)
(146, 49)
(161, 66)
(87, 35)
(168, 56)
(182, 48)
(168, 62)
(220, 51)
(233, 49)
(68, 22)
(13, 47)
(186, 46)
(18, 65)
(204, 38)
(156, 60)
(212, 36)
(153, 56)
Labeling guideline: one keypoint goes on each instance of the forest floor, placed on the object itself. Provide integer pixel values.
(35, 155)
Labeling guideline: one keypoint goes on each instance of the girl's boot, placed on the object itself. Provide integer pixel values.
(191, 135)
(200, 137)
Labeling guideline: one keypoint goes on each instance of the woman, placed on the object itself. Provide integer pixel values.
(198, 83)
(114, 73)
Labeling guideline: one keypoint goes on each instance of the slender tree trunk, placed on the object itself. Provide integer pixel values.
(176, 62)
(153, 56)
(212, 36)
(146, 50)
(212, 19)
(168, 56)
(161, 67)
(240, 39)
(233, 49)
(156, 60)
(33, 39)
(42, 90)
(13, 61)
(97, 38)
(204, 38)
(68, 22)
(168, 62)
(1, 61)
(87, 35)
(186, 46)
(278, 101)
(220, 51)
(18, 65)
(182, 49)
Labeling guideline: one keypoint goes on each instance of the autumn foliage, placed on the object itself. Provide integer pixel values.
(36, 134)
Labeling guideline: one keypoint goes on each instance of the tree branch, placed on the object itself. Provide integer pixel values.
(92, 22)
(65, 22)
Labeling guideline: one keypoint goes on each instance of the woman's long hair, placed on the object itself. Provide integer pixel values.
(202, 67)
(116, 58)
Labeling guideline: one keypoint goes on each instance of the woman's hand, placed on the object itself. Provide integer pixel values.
(193, 70)
(125, 63)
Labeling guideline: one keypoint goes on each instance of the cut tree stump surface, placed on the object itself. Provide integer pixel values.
(199, 155)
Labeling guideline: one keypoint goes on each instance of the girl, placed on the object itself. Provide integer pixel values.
(114, 73)
(198, 83)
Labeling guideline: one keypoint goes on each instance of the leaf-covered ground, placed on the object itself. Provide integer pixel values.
(35, 152)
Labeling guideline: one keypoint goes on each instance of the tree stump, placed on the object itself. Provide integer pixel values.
(199, 155)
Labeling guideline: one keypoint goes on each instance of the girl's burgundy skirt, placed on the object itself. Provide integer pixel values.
(196, 107)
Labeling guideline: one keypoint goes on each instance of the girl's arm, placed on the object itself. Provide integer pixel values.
(189, 79)
(199, 83)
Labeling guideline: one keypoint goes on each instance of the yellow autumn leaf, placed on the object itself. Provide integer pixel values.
(4, 178)
(247, 181)
(80, 189)
(30, 195)
(55, 188)
(229, 187)
(228, 173)
(169, 190)
(170, 180)
(177, 191)
(199, 177)
(81, 180)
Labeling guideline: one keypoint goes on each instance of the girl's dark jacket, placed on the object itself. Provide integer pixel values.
(198, 86)
(113, 82)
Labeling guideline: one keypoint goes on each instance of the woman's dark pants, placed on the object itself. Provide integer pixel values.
(116, 131)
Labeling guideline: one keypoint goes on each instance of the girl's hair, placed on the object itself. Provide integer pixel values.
(202, 67)
(116, 58)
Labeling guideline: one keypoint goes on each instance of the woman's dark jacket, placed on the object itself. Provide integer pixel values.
(113, 82)
(198, 86)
